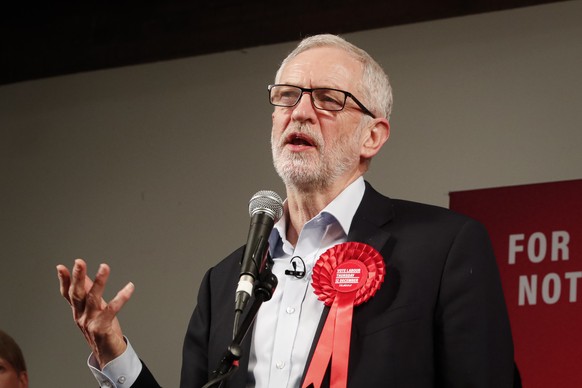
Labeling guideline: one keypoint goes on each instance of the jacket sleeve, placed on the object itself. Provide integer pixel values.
(145, 379)
(209, 331)
(195, 349)
(473, 342)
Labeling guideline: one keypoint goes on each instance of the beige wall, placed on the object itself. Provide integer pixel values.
(150, 167)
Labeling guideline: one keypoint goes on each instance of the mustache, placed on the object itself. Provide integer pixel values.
(304, 130)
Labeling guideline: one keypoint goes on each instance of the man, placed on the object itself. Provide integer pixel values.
(439, 317)
(12, 366)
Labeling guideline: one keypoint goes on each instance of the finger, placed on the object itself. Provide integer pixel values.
(121, 298)
(95, 290)
(64, 281)
(77, 289)
(88, 286)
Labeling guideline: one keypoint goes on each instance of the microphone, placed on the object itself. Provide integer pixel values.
(265, 208)
(299, 274)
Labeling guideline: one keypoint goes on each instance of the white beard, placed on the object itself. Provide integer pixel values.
(308, 171)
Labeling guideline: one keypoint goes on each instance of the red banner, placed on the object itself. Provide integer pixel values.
(536, 232)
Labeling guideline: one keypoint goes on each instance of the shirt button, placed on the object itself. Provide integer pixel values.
(290, 310)
(106, 384)
(121, 380)
(280, 364)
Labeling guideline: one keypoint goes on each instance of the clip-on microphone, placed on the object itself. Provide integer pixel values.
(295, 273)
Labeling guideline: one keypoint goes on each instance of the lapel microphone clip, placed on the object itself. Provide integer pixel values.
(299, 274)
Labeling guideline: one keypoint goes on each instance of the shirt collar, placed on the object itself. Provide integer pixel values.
(342, 209)
(344, 206)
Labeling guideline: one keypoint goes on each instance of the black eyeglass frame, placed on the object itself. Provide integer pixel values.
(310, 91)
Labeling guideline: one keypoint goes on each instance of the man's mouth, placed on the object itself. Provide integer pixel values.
(298, 139)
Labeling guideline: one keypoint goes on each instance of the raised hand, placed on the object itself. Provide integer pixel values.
(96, 318)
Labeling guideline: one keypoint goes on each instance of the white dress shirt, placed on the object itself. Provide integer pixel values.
(120, 372)
(285, 326)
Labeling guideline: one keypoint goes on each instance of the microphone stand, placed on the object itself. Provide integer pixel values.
(263, 290)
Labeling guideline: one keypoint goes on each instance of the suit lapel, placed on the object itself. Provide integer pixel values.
(374, 212)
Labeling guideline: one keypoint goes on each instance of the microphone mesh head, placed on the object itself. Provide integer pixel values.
(266, 201)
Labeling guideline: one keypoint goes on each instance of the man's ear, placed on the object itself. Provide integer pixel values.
(376, 134)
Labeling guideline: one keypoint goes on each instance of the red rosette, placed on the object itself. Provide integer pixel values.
(345, 276)
(324, 268)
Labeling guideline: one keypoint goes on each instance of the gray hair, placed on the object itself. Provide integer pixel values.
(375, 85)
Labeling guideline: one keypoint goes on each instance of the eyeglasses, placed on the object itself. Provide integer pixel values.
(328, 99)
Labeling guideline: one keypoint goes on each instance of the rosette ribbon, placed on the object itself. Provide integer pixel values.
(346, 275)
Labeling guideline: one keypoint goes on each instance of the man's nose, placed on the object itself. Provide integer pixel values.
(304, 110)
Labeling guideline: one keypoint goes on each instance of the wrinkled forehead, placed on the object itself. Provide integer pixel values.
(322, 67)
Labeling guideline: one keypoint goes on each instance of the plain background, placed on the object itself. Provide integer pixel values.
(150, 168)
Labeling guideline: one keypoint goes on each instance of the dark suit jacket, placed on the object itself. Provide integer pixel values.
(438, 320)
